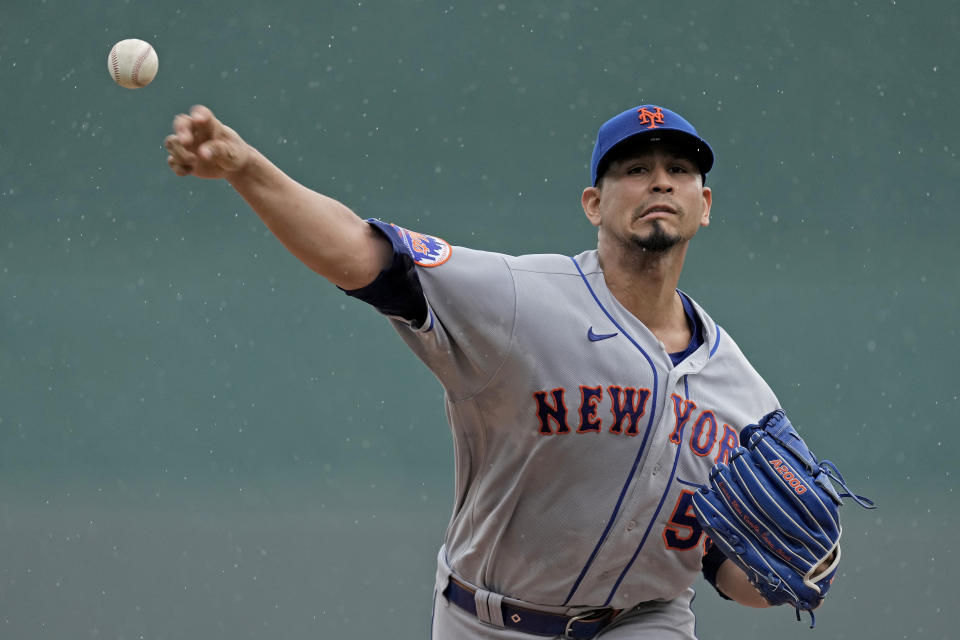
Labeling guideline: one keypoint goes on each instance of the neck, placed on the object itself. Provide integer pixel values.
(645, 283)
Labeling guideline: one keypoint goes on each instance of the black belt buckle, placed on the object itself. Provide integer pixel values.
(586, 615)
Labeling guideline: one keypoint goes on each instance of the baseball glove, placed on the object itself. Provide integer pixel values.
(773, 511)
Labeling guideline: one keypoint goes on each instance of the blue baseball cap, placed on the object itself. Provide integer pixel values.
(653, 123)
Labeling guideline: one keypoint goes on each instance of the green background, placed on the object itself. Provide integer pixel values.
(199, 438)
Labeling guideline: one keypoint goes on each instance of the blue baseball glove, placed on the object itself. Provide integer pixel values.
(773, 511)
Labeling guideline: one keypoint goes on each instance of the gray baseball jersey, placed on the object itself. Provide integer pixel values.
(578, 442)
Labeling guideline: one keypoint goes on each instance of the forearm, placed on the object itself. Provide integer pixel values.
(733, 582)
(321, 232)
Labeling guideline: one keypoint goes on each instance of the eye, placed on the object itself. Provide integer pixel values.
(677, 168)
(636, 169)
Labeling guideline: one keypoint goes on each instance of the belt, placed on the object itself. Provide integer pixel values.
(579, 627)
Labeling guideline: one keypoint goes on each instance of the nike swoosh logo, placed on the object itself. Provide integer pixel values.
(596, 337)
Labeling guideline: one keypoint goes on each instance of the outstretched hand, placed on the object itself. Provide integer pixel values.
(202, 146)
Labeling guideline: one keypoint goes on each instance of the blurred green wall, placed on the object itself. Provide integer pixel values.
(199, 437)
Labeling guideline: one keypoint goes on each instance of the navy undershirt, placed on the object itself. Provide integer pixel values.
(714, 557)
(696, 339)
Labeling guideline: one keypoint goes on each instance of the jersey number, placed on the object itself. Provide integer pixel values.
(683, 531)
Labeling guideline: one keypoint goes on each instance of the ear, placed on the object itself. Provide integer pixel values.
(707, 202)
(590, 200)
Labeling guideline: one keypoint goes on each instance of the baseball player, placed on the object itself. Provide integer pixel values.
(588, 397)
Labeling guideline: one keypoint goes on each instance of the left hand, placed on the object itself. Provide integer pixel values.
(773, 513)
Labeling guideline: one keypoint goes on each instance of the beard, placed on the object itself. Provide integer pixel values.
(657, 241)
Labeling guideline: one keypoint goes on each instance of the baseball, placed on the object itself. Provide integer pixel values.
(132, 63)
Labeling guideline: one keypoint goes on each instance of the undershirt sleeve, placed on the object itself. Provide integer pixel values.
(396, 291)
(711, 564)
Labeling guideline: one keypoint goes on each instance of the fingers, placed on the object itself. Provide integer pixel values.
(222, 153)
(189, 133)
(180, 151)
(181, 159)
(206, 126)
(203, 146)
(183, 129)
(179, 169)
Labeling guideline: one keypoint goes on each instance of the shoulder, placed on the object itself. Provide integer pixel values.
(430, 252)
(459, 257)
(544, 263)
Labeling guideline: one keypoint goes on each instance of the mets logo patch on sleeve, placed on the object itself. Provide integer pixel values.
(427, 251)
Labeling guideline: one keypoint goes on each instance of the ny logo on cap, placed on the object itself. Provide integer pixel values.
(650, 118)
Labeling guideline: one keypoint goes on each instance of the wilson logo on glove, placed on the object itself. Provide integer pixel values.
(795, 483)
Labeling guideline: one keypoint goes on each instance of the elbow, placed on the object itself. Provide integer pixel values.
(355, 260)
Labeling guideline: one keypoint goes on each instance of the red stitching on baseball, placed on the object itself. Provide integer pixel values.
(134, 75)
(115, 63)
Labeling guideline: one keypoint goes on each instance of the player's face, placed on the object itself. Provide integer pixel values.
(653, 199)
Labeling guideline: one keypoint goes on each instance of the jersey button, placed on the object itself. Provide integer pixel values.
(631, 525)
(656, 468)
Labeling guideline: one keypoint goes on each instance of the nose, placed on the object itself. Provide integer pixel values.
(661, 182)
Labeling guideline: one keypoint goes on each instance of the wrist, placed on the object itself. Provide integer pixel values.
(733, 581)
(252, 167)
